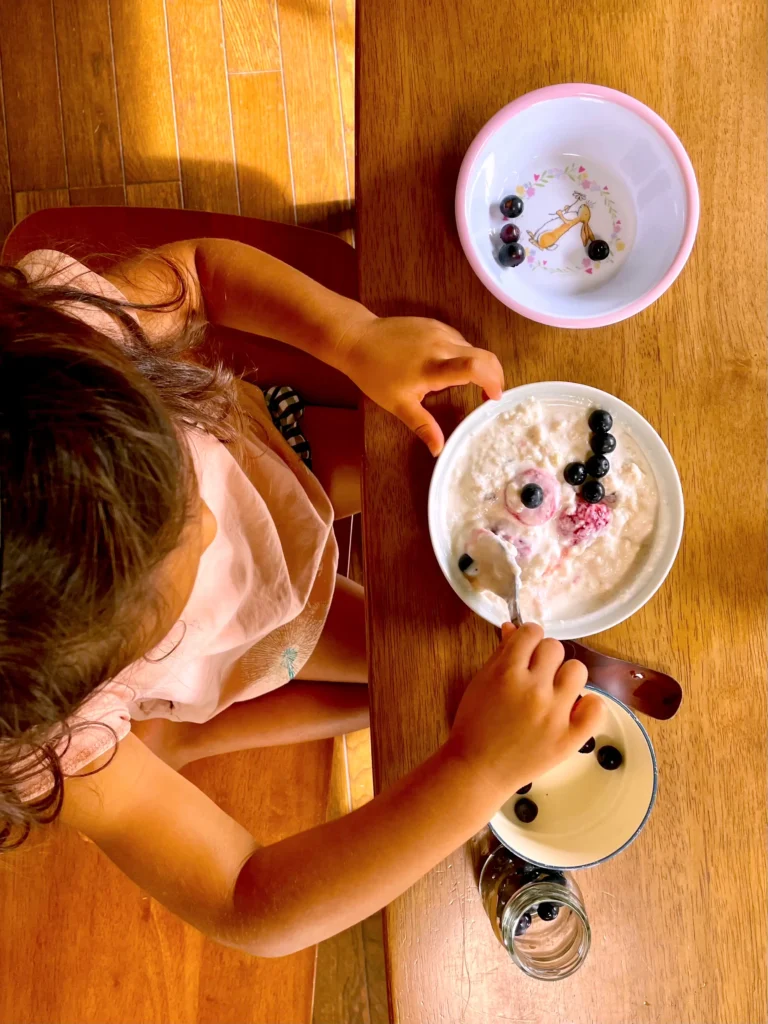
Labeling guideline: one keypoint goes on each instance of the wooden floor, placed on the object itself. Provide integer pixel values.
(234, 106)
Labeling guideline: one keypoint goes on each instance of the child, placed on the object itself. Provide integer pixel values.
(168, 591)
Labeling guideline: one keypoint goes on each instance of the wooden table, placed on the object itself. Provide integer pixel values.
(679, 919)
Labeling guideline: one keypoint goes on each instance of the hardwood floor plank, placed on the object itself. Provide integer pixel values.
(6, 195)
(31, 86)
(314, 115)
(360, 767)
(344, 39)
(261, 141)
(250, 30)
(41, 199)
(97, 195)
(203, 115)
(375, 969)
(340, 979)
(165, 194)
(88, 100)
(147, 119)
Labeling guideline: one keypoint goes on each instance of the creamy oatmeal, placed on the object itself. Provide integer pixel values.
(572, 555)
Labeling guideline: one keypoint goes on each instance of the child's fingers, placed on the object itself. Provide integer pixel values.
(423, 424)
(586, 717)
(571, 678)
(480, 367)
(548, 656)
(519, 651)
(508, 630)
(487, 372)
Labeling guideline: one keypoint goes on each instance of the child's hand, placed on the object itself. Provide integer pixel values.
(517, 717)
(397, 361)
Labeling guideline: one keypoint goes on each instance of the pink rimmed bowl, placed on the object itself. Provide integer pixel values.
(589, 163)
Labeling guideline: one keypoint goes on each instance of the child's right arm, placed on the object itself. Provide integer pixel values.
(516, 720)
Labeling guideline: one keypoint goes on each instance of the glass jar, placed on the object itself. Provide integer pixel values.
(537, 914)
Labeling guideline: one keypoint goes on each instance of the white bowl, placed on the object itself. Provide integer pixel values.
(667, 534)
(566, 149)
(587, 814)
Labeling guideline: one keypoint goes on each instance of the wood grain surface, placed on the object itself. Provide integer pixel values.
(35, 143)
(679, 919)
(88, 96)
(144, 92)
(109, 954)
(198, 64)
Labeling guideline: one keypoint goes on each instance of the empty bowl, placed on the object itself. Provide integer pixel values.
(586, 814)
(589, 164)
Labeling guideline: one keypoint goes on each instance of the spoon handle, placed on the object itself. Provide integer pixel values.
(643, 689)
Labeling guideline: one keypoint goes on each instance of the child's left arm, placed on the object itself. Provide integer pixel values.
(395, 361)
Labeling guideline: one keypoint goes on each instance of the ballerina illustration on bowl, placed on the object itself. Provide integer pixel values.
(553, 229)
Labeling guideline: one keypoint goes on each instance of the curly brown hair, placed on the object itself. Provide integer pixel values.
(95, 489)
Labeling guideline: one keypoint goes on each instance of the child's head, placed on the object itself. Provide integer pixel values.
(101, 523)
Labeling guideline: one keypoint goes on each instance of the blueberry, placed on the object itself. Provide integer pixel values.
(602, 443)
(575, 473)
(526, 810)
(510, 233)
(465, 562)
(608, 757)
(598, 466)
(600, 420)
(588, 747)
(592, 492)
(598, 250)
(512, 206)
(523, 924)
(531, 495)
(548, 911)
(511, 255)
(525, 789)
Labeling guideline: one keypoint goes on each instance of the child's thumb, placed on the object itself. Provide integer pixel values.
(424, 425)
(586, 716)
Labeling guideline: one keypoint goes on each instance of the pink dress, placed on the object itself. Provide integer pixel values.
(263, 588)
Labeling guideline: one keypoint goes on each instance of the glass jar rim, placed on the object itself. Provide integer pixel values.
(528, 896)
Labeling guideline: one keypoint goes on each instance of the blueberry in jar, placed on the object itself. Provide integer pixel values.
(510, 233)
(532, 496)
(548, 911)
(600, 420)
(523, 924)
(511, 255)
(593, 492)
(609, 757)
(602, 442)
(526, 810)
(588, 747)
(598, 250)
(525, 789)
(465, 562)
(575, 473)
(598, 466)
(511, 206)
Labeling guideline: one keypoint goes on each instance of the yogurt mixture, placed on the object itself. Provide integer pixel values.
(571, 556)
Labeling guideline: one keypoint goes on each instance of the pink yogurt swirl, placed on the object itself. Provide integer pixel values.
(549, 506)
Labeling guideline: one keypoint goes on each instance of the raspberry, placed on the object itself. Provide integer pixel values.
(585, 522)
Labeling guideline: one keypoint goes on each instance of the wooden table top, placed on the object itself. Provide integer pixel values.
(678, 919)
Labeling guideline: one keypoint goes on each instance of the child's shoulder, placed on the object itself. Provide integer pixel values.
(53, 269)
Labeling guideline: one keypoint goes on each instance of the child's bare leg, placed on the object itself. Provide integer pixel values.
(296, 713)
(336, 703)
(336, 438)
(340, 653)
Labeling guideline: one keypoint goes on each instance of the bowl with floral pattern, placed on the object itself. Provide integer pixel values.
(577, 206)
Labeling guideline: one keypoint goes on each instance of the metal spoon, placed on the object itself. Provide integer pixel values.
(653, 693)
